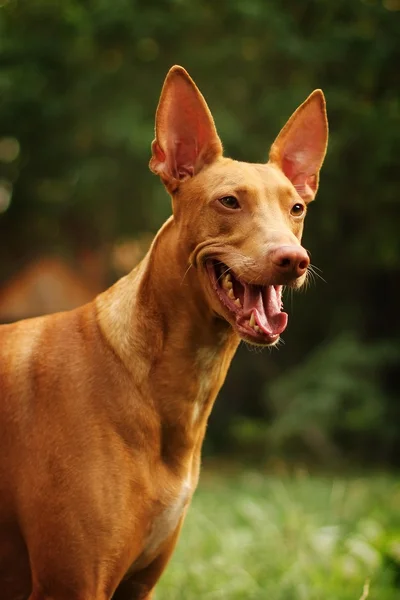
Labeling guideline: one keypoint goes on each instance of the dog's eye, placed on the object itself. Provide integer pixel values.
(229, 202)
(297, 210)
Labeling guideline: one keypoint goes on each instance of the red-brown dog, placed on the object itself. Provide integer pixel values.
(103, 409)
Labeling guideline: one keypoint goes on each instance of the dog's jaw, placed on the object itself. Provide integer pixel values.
(254, 311)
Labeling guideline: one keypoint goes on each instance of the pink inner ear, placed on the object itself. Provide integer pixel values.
(301, 165)
(300, 147)
(158, 154)
(185, 133)
(187, 130)
(183, 156)
(306, 185)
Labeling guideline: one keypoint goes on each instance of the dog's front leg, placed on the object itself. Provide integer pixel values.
(40, 595)
(132, 590)
(140, 585)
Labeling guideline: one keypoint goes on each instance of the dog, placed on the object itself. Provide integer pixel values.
(103, 409)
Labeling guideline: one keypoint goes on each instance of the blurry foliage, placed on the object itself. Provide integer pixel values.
(79, 84)
(334, 395)
(330, 407)
(253, 535)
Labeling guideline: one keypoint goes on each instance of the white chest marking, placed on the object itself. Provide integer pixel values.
(205, 360)
(166, 522)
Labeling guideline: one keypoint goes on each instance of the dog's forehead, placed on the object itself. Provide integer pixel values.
(233, 174)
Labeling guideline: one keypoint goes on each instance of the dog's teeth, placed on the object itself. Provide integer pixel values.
(256, 328)
(238, 303)
(252, 320)
(231, 294)
(227, 283)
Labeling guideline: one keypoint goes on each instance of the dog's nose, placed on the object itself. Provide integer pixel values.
(290, 261)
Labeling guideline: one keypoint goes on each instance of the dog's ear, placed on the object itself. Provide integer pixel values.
(300, 148)
(186, 138)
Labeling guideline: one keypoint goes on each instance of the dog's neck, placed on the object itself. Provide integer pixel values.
(158, 322)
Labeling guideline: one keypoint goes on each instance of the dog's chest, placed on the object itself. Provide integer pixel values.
(206, 364)
(166, 521)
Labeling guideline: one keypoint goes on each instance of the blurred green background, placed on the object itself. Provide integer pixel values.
(79, 85)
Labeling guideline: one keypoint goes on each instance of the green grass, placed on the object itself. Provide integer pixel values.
(253, 536)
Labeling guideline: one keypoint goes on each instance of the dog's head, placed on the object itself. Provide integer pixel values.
(240, 223)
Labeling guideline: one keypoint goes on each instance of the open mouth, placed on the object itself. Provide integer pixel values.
(257, 309)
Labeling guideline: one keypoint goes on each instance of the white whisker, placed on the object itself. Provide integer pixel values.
(312, 269)
(186, 272)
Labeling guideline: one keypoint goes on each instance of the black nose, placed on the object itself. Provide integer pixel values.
(290, 261)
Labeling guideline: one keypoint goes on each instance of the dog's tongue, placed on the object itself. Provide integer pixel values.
(265, 303)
